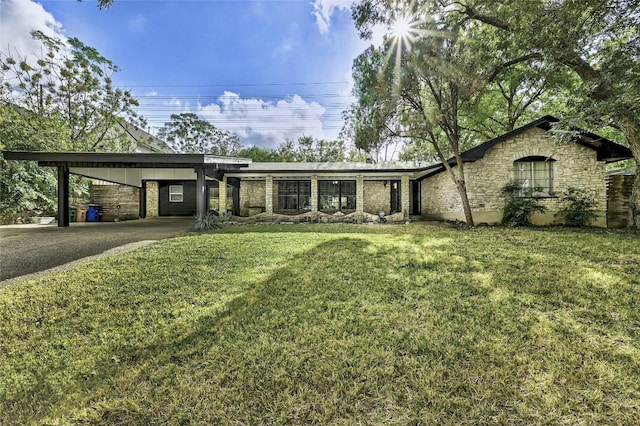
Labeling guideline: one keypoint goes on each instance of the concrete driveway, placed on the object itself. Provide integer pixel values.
(29, 249)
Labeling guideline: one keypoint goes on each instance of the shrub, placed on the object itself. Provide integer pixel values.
(210, 220)
(517, 209)
(579, 207)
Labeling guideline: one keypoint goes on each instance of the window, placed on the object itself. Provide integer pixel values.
(176, 193)
(294, 195)
(337, 195)
(214, 198)
(535, 176)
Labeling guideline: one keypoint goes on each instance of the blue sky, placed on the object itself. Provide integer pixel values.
(266, 70)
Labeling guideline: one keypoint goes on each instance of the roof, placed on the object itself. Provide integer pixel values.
(607, 150)
(128, 160)
(144, 141)
(307, 167)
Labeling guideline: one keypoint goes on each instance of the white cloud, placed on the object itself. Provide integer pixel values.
(265, 123)
(324, 9)
(282, 49)
(138, 24)
(18, 18)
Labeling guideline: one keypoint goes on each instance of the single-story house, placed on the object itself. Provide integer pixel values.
(185, 184)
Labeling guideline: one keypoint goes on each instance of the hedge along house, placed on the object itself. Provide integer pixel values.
(184, 184)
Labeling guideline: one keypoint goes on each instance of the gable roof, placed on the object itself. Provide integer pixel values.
(606, 150)
(143, 141)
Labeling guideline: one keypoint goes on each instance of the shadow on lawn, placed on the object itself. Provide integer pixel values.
(346, 330)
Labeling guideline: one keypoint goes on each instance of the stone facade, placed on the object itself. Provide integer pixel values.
(252, 197)
(376, 197)
(153, 199)
(574, 166)
(259, 202)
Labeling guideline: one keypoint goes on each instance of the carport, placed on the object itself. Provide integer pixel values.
(131, 169)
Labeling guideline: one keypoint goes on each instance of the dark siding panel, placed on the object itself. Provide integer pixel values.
(188, 205)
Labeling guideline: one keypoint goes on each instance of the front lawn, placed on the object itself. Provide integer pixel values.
(341, 324)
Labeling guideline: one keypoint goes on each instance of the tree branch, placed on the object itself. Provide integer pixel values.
(524, 58)
(489, 20)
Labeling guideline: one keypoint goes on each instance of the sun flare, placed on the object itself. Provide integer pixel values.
(401, 28)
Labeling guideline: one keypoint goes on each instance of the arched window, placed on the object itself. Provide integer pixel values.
(534, 174)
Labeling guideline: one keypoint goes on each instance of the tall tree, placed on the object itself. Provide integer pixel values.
(25, 187)
(62, 101)
(188, 133)
(597, 41)
(72, 81)
(370, 122)
(415, 87)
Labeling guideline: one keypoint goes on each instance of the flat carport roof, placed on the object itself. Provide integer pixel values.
(129, 169)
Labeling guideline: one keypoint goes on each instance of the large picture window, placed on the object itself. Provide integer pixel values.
(294, 195)
(336, 195)
(535, 176)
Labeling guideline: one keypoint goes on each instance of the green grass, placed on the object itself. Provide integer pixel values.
(339, 324)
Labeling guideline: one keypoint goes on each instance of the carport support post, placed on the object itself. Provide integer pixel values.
(63, 196)
(201, 188)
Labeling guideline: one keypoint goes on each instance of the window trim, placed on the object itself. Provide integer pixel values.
(176, 191)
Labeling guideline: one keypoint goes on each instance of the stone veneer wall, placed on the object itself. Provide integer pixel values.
(153, 199)
(376, 197)
(252, 197)
(371, 197)
(575, 166)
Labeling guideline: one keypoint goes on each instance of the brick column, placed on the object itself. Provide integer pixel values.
(314, 194)
(405, 196)
(222, 195)
(153, 196)
(268, 202)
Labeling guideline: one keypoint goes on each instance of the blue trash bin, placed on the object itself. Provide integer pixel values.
(94, 212)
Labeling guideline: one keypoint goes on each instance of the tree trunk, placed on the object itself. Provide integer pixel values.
(631, 129)
(461, 185)
(634, 202)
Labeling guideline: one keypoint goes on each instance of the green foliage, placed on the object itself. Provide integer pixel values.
(332, 325)
(189, 134)
(258, 154)
(518, 209)
(308, 149)
(579, 207)
(210, 221)
(62, 101)
(24, 187)
(73, 82)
